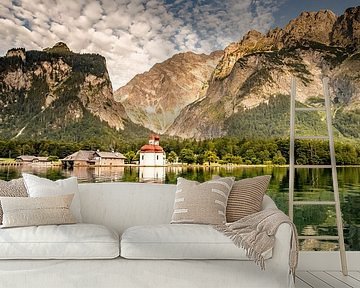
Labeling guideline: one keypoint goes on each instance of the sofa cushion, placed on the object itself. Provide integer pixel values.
(73, 241)
(246, 197)
(42, 187)
(13, 188)
(181, 241)
(201, 203)
(29, 211)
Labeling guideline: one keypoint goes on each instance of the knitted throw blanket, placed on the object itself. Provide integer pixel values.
(256, 234)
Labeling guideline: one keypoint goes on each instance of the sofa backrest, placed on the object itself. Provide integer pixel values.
(121, 205)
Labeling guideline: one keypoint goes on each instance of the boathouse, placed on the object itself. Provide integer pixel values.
(93, 158)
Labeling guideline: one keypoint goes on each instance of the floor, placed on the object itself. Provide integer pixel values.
(322, 270)
(327, 279)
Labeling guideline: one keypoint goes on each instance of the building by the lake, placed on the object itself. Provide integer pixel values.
(93, 158)
(109, 158)
(32, 159)
(152, 154)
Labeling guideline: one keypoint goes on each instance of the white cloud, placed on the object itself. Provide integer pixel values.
(140, 29)
(93, 11)
(133, 35)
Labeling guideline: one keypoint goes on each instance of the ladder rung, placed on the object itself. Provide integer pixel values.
(319, 237)
(312, 166)
(312, 137)
(310, 109)
(314, 202)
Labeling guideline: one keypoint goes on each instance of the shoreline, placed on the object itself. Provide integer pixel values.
(17, 164)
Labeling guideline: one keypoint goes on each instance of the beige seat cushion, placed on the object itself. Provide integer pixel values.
(72, 241)
(13, 188)
(201, 203)
(246, 197)
(26, 211)
(181, 241)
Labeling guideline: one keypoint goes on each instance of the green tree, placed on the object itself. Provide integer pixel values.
(279, 159)
(249, 154)
(210, 157)
(171, 157)
(130, 156)
(227, 158)
(187, 156)
(237, 160)
(53, 158)
(263, 156)
(200, 159)
(43, 153)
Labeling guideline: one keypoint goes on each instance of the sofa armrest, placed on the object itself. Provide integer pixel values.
(280, 257)
(282, 245)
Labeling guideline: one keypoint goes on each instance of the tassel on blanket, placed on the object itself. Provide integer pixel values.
(256, 234)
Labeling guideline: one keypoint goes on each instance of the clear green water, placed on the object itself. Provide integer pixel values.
(311, 184)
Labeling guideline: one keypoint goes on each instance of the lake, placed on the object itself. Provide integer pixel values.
(311, 184)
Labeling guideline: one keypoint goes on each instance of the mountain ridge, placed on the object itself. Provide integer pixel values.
(155, 98)
(259, 66)
(49, 93)
(59, 94)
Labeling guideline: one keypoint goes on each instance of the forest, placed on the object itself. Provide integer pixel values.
(226, 150)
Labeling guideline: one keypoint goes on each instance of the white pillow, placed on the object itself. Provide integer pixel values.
(36, 211)
(42, 187)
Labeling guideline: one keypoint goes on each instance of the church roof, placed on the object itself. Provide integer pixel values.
(150, 148)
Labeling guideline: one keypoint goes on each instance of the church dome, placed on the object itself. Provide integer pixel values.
(150, 148)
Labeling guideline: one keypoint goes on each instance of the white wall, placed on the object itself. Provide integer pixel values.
(152, 159)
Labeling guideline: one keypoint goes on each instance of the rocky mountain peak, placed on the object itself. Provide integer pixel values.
(252, 41)
(323, 27)
(16, 52)
(257, 69)
(252, 35)
(38, 86)
(59, 47)
(313, 26)
(155, 98)
(347, 28)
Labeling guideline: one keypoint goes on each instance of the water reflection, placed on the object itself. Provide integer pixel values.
(152, 174)
(98, 174)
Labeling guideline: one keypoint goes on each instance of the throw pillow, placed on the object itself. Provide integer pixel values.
(42, 187)
(27, 211)
(201, 203)
(13, 188)
(246, 197)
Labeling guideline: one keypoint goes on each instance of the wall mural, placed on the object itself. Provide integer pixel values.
(151, 91)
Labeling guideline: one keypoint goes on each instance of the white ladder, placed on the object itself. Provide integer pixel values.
(293, 166)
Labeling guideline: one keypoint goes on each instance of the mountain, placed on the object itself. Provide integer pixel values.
(155, 98)
(209, 96)
(58, 94)
(242, 91)
(314, 45)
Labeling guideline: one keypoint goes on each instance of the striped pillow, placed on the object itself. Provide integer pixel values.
(246, 197)
(201, 203)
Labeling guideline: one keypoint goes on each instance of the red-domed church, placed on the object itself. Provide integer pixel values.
(152, 154)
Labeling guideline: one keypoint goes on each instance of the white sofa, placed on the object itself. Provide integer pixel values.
(119, 206)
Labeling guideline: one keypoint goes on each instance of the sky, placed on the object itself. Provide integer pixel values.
(133, 35)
